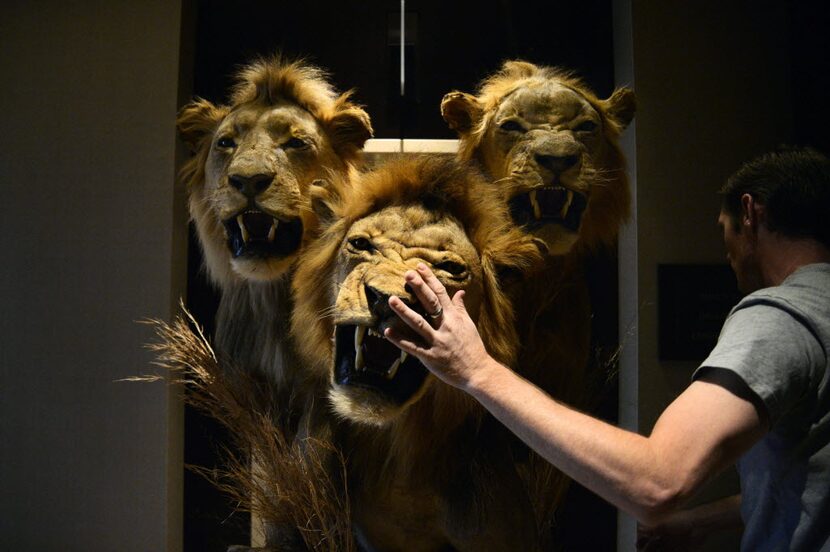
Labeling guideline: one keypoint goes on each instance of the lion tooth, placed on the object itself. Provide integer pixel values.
(273, 231)
(537, 212)
(241, 222)
(359, 334)
(395, 365)
(569, 197)
(390, 373)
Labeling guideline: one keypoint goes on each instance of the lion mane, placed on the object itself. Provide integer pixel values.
(427, 469)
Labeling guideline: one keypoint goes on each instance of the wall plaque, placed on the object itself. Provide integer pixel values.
(693, 301)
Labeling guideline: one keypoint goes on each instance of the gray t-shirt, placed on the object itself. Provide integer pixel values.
(777, 340)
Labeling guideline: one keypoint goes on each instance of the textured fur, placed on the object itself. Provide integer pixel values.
(531, 127)
(432, 472)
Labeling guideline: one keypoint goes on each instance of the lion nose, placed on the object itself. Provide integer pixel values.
(251, 186)
(557, 164)
(377, 300)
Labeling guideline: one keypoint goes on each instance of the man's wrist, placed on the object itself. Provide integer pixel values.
(485, 377)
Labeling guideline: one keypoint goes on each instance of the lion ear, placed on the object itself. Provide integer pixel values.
(197, 120)
(323, 197)
(349, 128)
(461, 111)
(621, 106)
(518, 69)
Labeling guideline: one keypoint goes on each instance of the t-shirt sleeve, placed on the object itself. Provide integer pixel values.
(772, 352)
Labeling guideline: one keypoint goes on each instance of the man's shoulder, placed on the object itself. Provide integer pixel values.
(802, 291)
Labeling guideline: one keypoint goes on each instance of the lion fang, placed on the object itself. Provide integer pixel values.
(395, 365)
(359, 333)
(241, 222)
(537, 212)
(569, 195)
(273, 231)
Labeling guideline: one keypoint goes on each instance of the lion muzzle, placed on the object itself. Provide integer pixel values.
(548, 205)
(255, 233)
(364, 358)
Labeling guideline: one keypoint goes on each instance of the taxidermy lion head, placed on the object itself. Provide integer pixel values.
(254, 159)
(551, 145)
(427, 209)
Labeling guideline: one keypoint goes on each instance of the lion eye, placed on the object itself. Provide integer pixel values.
(586, 126)
(452, 267)
(226, 142)
(295, 143)
(511, 126)
(361, 244)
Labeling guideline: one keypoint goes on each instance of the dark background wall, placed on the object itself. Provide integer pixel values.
(92, 239)
(448, 45)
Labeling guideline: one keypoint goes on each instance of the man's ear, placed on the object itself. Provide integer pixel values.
(198, 120)
(753, 214)
(461, 111)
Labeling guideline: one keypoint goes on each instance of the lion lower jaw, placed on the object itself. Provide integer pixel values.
(262, 270)
(558, 240)
(362, 407)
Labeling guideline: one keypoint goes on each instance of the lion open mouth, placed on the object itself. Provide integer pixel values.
(549, 205)
(364, 358)
(253, 233)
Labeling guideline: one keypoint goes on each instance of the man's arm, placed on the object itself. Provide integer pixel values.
(704, 430)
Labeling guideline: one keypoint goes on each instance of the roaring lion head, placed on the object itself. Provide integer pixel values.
(551, 145)
(427, 209)
(254, 160)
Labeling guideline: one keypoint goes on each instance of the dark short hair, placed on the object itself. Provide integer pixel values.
(793, 183)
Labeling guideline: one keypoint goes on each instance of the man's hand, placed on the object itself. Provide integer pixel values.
(677, 532)
(452, 348)
(688, 529)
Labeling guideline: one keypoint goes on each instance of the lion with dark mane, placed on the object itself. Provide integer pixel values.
(427, 469)
(550, 145)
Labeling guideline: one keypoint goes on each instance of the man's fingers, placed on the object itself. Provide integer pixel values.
(423, 292)
(404, 344)
(435, 285)
(412, 318)
(458, 300)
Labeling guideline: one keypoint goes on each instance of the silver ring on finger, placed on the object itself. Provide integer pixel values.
(437, 314)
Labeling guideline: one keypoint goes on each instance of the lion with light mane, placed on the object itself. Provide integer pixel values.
(427, 468)
(254, 161)
(552, 148)
(247, 182)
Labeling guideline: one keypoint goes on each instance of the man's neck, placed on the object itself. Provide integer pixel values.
(782, 255)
